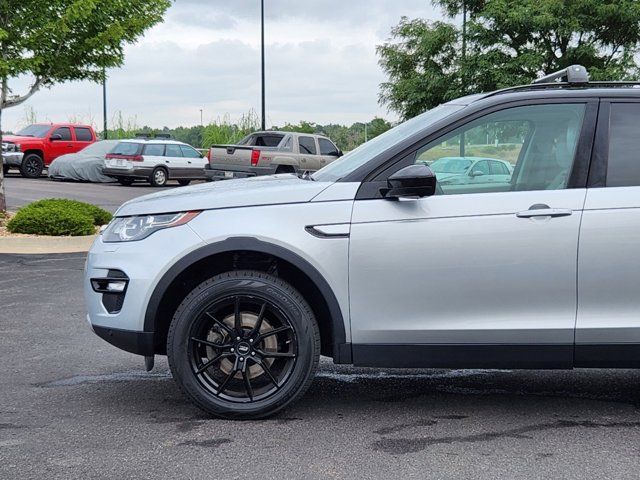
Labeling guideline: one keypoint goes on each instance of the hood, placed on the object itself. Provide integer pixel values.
(265, 190)
(18, 139)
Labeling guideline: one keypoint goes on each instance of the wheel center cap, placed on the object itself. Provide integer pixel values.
(243, 348)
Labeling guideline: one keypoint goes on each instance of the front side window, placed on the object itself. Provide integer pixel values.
(327, 148)
(517, 149)
(173, 151)
(64, 132)
(623, 165)
(307, 145)
(154, 149)
(189, 152)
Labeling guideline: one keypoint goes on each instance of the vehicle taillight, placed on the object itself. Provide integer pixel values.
(255, 156)
(133, 158)
(137, 158)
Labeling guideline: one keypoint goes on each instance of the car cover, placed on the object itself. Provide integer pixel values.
(84, 166)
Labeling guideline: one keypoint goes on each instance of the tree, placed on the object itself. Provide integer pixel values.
(509, 42)
(54, 41)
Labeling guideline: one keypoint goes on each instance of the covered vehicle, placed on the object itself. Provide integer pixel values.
(84, 166)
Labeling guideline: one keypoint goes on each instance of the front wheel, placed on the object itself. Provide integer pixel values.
(184, 183)
(125, 181)
(243, 344)
(32, 166)
(5, 170)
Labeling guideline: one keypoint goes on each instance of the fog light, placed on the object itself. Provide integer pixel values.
(109, 285)
(116, 286)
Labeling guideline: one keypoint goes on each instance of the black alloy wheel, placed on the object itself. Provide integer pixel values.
(243, 345)
(32, 166)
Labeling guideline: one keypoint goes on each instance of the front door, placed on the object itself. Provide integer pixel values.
(477, 265)
(60, 146)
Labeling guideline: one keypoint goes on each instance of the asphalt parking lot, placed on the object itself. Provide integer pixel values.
(21, 191)
(73, 407)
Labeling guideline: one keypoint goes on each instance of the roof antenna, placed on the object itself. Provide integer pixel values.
(573, 75)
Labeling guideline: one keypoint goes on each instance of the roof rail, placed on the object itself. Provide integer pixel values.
(573, 75)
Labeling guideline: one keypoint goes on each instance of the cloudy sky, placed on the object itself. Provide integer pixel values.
(321, 65)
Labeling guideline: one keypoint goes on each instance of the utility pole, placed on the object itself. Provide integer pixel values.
(105, 133)
(262, 47)
(201, 119)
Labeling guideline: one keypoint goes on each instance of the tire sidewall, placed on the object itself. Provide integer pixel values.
(260, 286)
(152, 179)
(26, 160)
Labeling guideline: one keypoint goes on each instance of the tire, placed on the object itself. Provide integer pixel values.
(32, 166)
(211, 366)
(159, 177)
(5, 170)
(126, 181)
(285, 169)
(184, 183)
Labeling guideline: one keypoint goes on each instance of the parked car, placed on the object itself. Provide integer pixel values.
(33, 148)
(84, 166)
(371, 261)
(267, 153)
(154, 160)
(466, 170)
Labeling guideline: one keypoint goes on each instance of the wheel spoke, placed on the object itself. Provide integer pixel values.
(237, 318)
(267, 370)
(275, 331)
(276, 354)
(258, 324)
(206, 365)
(219, 323)
(247, 384)
(226, 380)
(208, 343)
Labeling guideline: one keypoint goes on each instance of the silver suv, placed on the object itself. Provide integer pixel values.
(371, 261)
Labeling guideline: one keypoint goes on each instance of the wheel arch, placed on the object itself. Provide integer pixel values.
(248, 253)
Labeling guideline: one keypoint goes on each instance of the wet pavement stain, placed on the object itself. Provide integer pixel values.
(405, 426)
(213, 443)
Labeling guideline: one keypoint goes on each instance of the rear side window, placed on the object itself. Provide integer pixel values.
(173, 151)
(154, 149)
(126, 148)
(268, 140)
(83, 134)
(327, 148)
(307, 145)
(64, 132)
(189, 152)
(623, 166)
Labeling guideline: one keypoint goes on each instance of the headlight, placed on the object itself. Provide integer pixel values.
(129, 229)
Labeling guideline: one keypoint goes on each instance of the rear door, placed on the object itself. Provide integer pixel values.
(309, 158)
(83, 138)
(153, 156)
(608, 324)
(178, 167)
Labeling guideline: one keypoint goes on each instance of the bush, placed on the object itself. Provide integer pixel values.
(58, 217)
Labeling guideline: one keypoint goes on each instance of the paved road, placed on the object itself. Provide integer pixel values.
(21, 191)
(73, 407)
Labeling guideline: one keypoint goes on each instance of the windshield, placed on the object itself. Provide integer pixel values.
(38, 131)
(365, 152)
(450, 165)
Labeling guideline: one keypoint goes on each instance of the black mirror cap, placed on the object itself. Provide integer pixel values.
(55, 137)
(413, 181)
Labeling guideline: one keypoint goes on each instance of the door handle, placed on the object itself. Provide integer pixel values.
(542, 210)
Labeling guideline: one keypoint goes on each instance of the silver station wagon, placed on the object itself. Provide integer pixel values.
(375, 262)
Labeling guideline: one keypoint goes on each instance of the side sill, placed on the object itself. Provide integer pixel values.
(613, 355)
(514, 356)
(140, 343)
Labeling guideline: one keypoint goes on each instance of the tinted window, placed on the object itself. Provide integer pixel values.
(126, 148)
(623, 168)
(155, 149)
(189, 152)
(539, 141)
(268, 140)
(499, 168)
(173, 151)
(83, 134)
(38, 131)
(64, 132)
(327, 148)
(307, 145)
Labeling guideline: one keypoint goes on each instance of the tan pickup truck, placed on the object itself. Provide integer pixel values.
(266, 153)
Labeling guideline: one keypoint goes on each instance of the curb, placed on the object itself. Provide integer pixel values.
(42, 244)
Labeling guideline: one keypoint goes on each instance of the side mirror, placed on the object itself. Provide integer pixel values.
(413, 181)
(55, 137)
(476, 173)
(339, 153)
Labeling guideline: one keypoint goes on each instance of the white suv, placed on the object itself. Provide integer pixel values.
(373, 262)
(156, 161)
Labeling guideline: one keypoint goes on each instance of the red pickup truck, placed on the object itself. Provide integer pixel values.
(36, 146)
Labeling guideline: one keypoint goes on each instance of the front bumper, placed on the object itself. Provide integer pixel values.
(137, 172)
(144, 263)
(12, 159)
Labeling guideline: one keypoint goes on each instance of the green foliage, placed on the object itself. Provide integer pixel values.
(509, 42)
(57, 216)
(302, 127)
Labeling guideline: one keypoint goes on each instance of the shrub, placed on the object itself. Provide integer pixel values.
(58, 217)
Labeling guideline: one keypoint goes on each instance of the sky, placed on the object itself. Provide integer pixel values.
(321, 66)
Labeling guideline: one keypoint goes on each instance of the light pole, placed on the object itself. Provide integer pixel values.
(105, 133)
(201, 120)
(262, 49)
